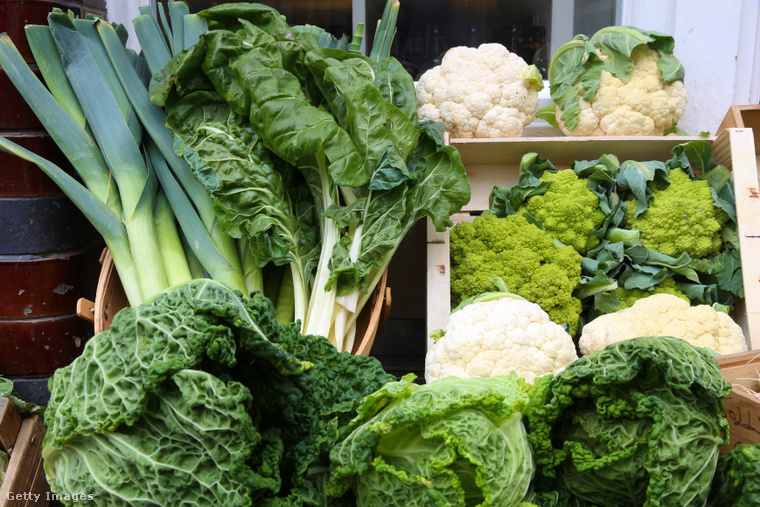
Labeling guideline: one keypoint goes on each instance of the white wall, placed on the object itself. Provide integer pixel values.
(718, 45)
(124, 11)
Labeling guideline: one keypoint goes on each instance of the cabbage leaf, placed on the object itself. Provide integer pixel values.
(199, 397)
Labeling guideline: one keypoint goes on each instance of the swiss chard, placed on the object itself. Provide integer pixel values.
(285, 109)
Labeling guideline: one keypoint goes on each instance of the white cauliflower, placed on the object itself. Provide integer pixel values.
(492, 338)
(644, 106)
(480, 92)
(623, 81)
(665, 315)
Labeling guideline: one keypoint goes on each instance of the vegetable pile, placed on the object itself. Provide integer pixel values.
(623, 81)
(200, 396)
(291, 163)
(638, 228)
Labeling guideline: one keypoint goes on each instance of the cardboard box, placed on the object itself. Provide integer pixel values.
(743, 404)
(491, 162)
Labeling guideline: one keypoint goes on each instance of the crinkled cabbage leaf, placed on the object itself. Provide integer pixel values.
(636, 423)
(452, 442)
(199, 397)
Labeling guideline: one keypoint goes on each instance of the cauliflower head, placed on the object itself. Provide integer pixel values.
(568, 210)
(665, 315)
(480, 92)
(680, 218)
(525, 257)
(492, 338)
(644, 106)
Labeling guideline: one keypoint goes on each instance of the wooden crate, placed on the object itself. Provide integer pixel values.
(24, 483)
(491, 162)
(742, 117)
(743, 404)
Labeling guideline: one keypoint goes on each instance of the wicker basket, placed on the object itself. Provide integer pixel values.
(110, 298)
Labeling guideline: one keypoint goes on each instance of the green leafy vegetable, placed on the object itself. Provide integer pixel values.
(302, 136)
(737, 479)
(452, 442)
(200, 396)
(639, 422)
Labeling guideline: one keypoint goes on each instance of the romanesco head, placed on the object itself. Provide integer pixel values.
(521, 254)
(668, 286)
(568, 210)
(680, 218)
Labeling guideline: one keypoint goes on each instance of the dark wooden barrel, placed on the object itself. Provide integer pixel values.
(48, 250)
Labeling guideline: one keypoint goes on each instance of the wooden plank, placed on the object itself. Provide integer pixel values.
(735, 148)
(40, 487)
(10, 424)
(733, 119)
(438, 282)
(26, 460)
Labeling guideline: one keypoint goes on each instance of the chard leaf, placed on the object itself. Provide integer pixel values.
(254, 198)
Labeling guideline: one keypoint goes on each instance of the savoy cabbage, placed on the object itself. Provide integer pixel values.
(199, 397)
(451, 442)
(638, 422)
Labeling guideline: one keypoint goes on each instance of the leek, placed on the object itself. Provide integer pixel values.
(117, 142)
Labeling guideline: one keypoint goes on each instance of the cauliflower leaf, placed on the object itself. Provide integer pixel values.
(621, 81)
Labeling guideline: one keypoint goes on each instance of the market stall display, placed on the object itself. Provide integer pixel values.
(230, 365)
(497, 163)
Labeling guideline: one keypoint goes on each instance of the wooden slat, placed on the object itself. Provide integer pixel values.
(25, 462)
(40, 487)
(743, 164)
(10, 424)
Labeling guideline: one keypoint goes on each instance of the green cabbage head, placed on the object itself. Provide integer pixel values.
(452, 442)
(636, 423)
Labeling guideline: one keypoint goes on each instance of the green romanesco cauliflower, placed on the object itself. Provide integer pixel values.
(680, 218)
(668, 286)
(568, 210)
(524, 256)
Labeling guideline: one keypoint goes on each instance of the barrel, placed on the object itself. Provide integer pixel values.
(48, 250)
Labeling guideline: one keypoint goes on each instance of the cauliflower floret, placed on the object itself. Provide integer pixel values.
(644, 106)
(492, 338)
(480, 92)
(665, 315)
